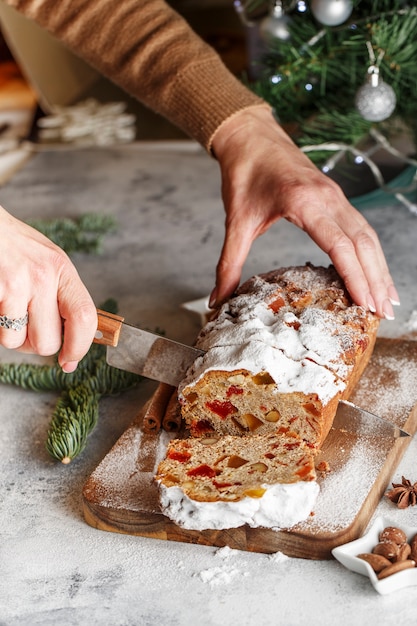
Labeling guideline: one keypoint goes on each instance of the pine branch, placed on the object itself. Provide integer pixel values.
(77, 410)
(84, 234)
(75, 416)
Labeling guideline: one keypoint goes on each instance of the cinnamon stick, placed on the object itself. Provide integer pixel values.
(172, 420)
(155, 410)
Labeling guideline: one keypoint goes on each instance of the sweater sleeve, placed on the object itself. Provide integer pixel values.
(150, 51)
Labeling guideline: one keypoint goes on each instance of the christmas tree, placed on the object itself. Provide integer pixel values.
(341, 76)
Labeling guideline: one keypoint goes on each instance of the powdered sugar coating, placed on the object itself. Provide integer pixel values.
(281, 506)
(267, 327)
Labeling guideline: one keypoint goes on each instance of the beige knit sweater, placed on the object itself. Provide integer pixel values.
(150, 51)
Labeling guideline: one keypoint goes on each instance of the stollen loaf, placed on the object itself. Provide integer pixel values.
(278, 357)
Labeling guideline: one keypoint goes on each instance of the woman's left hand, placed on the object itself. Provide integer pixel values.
(265, 177)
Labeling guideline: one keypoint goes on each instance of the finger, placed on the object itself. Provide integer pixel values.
(358, 259)
(13, 324)
(44, 336)
(381, 286)
(229, 268)
(79, 317)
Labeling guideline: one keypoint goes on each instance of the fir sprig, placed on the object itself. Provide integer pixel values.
(83, 234)
(77, 410)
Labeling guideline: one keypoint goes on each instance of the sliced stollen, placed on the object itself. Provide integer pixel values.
(226, 481)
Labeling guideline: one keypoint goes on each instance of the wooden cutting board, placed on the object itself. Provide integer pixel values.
(121, 495)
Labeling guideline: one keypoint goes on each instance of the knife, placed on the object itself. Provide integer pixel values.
(354, 419)
(167, 361)
(142, 352)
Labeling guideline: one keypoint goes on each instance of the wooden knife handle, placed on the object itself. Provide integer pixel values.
(108, 328)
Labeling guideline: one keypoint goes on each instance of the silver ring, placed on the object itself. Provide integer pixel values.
(14, 324)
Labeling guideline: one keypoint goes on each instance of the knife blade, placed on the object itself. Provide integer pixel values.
(167, 361)
(142, 352)
(354, 419)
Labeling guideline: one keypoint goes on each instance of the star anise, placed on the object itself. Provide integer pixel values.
(404, 494)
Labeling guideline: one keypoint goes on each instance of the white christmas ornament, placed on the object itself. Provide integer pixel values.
(275, 25)
(375, 100)
(331, 12)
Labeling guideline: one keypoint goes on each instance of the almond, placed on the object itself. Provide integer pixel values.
(272, 416)
(237, 379)
(404, 552)
(376, 561)
(388, 549)
(208, 441)
(395, 567)
(258, 467)
(413, 544)
(391, 533)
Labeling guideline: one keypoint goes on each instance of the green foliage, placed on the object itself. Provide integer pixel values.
(84, 234)
(77, 409)
(312, 80)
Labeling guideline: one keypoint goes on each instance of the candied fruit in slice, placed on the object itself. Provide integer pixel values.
(251, 421)
(170, 478)
(294, 324)
(221, 408)
(276, 304)
(203, 471)
(236, 461)
(221, 485)
(177, 455)
(263, 378)
(292, 446)
(282, 430)
(311, 408)
(201, 427)
(234, 390)
(255, 492)
(305, 472)
(363, 343)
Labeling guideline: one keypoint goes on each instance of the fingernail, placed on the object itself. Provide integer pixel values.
(213, 299)
(393, 296)
(387, 310)
(70, 367)
(371, 304)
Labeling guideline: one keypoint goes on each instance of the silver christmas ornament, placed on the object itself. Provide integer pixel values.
(275, 25)
(331, 12)
(375, 100)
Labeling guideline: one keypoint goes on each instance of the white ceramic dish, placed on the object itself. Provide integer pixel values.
(347, 555)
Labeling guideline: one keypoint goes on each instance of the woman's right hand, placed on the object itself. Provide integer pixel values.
(37, 277)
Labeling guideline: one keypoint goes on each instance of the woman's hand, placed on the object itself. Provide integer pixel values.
(37, 277)
(266, 177)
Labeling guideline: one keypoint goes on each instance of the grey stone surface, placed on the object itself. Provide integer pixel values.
(54, 568)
